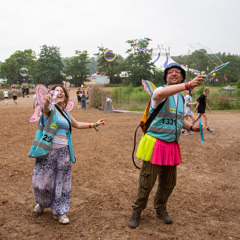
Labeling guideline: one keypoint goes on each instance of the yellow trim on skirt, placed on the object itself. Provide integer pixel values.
(145, 147)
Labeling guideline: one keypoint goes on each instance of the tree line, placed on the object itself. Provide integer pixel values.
(50, 68)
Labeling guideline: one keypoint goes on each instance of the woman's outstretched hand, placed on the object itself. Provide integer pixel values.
(101, 121)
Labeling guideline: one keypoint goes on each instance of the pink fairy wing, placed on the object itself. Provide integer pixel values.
(41, 92)
(70, 105)
(36, 115)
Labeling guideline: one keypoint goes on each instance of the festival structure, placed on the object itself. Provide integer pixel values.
(161, 58)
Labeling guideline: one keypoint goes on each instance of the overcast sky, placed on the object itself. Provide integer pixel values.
(84, 25)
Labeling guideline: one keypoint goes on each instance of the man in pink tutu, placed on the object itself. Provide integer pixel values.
(159, 147)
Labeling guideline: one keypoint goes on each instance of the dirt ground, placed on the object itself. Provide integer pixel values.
(204, 204)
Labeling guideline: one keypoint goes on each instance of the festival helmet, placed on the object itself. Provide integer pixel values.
(172, 65)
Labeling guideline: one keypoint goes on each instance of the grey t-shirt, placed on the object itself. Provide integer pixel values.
(14, 92)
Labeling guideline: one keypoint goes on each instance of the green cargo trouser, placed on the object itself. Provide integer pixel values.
(167, 176)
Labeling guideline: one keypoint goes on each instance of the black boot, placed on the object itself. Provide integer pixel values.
(163, 215)
(134, 219)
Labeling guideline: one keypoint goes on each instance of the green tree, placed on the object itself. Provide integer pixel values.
(202, 61)
(139, 62)
(190, 75)
(1, 74)
(76, 68)
(231, 71)
(158, 78)
(92, 65)
(49, 66)
(10, 69)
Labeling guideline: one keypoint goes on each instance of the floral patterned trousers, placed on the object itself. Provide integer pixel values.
(52, 180)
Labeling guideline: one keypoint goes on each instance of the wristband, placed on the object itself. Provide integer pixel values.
(190, 85)
(90, 125)
(186, 87)
(95, 126)
(191, 128)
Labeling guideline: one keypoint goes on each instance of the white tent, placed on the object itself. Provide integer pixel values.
(228, 88)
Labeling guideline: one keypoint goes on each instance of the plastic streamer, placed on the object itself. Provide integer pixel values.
(201, 130)
(148, 86)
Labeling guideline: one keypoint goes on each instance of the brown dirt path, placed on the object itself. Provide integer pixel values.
(204, 204)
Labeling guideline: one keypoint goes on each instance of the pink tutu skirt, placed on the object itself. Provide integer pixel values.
(158, 151)
(166, 153)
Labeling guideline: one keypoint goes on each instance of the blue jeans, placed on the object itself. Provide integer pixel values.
(83, 104)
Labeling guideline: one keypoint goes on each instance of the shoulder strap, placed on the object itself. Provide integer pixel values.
(147, 124)
(59, 109)
(183, 98)
(154, 114)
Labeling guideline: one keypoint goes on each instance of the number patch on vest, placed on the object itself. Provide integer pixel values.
(47, 138)
(169, 121)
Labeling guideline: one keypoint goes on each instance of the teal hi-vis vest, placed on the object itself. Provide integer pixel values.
(168, 123)
(43, 140)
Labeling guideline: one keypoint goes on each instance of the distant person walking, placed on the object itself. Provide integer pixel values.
(79, 92)
(87, 97)
(201, 107)
(83, 100)
(5, 94)
(14, 95)
(23, 91)
(188, 109)
(27, 91)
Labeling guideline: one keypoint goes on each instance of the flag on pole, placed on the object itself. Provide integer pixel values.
(225, 78)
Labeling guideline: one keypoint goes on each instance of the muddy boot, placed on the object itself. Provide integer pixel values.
(134, 219)
(164, 216)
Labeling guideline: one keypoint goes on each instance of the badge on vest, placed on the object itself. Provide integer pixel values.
(172, 110)
(54, 126)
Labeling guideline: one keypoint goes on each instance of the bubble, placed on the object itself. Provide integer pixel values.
(23, 71)
(54, 94)
(109, 55)
(142, 44)
(207, 52)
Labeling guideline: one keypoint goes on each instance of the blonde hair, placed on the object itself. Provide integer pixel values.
(206, 89)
